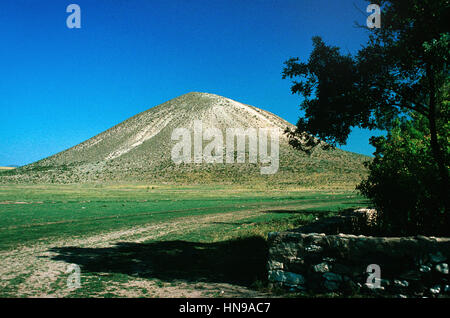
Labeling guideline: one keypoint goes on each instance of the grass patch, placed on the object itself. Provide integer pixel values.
(232, 251)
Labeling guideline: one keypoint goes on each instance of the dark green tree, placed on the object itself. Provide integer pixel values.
(326, 82)
(401, 73)
(402, 180)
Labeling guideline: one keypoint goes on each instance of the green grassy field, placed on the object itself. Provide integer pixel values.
(149, 240)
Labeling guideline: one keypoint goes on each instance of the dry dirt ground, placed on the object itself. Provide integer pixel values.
(30, 271)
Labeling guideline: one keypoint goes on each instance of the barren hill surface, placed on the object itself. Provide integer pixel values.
(139, 150)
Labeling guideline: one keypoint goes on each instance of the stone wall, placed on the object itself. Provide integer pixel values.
(330, 262)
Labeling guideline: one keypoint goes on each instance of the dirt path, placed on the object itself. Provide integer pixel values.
(31, 271)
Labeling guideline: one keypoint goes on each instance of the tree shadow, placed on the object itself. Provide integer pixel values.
(241, 261)
(315, 213)
(305, 212)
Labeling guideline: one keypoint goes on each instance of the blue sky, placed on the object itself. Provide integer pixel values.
(61, 86)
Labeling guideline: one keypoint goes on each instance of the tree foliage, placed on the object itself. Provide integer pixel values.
(326, 83)
(403, 180)
(398, 82)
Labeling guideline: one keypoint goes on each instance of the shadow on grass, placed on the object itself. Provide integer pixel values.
(303, 212)
(315, 213)
(240, 262)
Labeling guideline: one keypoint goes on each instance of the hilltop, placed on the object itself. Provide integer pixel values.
(139, 150)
